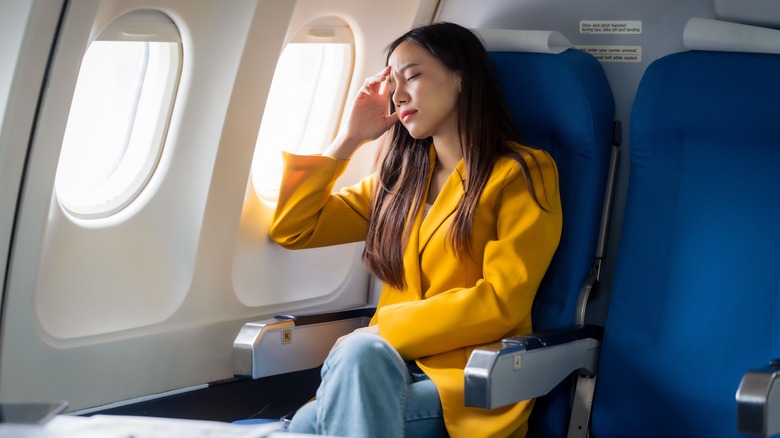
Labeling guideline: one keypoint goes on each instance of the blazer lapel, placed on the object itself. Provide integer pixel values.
(444, 206)
(411, 254)
(423, 229)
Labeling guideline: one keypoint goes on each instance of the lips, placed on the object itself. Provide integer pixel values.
(406, 114)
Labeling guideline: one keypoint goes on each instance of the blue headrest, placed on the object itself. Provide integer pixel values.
(696, 294)
(562, 103)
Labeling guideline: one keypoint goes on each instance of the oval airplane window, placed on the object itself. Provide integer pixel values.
(305, 100)
(119, 115)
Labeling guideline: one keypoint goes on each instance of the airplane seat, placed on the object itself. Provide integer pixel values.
(562, 103)
(696, 293)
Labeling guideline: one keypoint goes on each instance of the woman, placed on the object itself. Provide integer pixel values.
(460, 223)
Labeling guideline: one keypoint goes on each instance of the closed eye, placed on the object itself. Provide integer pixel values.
(412, 77)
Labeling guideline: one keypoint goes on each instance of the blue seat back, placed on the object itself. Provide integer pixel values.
(696, 292)
(562, 103)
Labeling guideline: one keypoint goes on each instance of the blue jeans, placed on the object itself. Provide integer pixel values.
(367, 390)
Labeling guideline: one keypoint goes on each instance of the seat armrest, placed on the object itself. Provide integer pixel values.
(292, 342)
(529, 366)
(758, 401)
(309, 318)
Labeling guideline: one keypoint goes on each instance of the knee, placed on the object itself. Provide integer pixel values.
(363, 352)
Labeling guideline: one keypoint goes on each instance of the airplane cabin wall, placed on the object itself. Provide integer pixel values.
(21, 74)
(145, 301)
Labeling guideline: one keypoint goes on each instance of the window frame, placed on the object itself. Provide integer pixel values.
(111, 196)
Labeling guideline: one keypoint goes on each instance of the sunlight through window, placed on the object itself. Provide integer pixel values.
(303, 109)
(117, 124)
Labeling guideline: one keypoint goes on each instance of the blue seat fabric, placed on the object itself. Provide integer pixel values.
(696, 293)
(563, 104)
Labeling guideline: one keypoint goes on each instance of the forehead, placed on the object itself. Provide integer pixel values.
(410, 54)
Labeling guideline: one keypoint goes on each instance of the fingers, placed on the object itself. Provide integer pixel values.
(373, 84)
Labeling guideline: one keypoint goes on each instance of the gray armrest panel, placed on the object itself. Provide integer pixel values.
(302, 319)
(290, 343)
(758, 401)
(525, 367)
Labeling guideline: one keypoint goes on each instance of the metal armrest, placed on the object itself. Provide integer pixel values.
(529, 366)
(292, 342)
(758, 401)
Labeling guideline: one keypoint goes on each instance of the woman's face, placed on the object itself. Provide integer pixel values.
(424, 92)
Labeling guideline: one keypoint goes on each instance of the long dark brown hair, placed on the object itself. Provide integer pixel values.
(484, 126)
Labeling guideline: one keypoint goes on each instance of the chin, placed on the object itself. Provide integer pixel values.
(417, 134)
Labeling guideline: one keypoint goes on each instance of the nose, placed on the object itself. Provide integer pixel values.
(400, 96)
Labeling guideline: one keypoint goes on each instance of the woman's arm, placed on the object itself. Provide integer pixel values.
(307, 215)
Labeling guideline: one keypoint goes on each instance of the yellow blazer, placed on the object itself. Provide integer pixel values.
(451, 304)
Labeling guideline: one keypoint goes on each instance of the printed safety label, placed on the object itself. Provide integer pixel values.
(611, 26)
(614, 53)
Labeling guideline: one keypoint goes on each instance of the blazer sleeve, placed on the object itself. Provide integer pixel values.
(308, 214)
(513, 266)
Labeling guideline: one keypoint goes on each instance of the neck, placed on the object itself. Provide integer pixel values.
(448, 151)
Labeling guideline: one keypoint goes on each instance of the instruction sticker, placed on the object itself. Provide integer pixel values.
(609, 26)
(614, 53)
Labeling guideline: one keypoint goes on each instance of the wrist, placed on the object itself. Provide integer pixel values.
(342, 147)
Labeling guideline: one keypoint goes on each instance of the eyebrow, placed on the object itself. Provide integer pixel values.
(407, 67)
